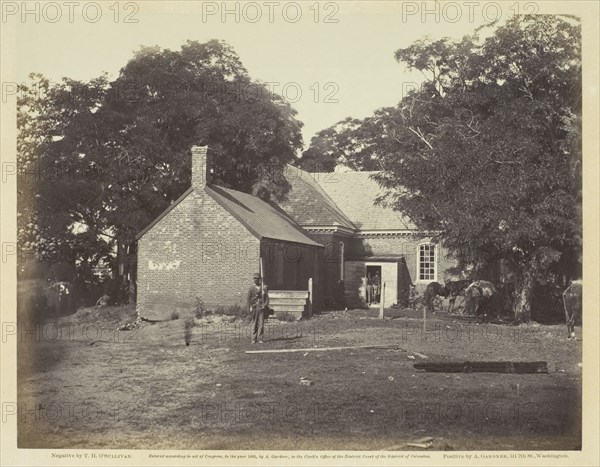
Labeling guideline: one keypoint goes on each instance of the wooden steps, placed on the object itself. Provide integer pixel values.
(290, 308)
(293, 302)
(288, 294)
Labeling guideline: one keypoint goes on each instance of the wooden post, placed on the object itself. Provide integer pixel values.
(310, 297)
(262, 283)
(262, 271)
(424, 318)
(381, 300)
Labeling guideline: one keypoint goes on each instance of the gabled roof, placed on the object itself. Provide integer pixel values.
(354, 193)
(262, 219)
(308, 204)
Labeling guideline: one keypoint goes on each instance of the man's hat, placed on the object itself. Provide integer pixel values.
(256, 275)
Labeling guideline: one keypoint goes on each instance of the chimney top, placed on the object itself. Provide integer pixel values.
(199, 166)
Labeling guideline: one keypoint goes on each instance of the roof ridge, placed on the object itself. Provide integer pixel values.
(278, 211)
(230, 194)
(220, 194)
(351, 193)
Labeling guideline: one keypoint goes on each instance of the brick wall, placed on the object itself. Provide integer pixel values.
(197, 250)
(407, 246)
(373, 246)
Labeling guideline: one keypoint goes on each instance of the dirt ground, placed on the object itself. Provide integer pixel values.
(83, 384)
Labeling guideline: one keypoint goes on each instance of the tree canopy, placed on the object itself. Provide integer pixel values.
(99, 160)
(487, 151)
(352, 143)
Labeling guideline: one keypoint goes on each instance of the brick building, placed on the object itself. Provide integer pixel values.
(339, 211)
(208, 243)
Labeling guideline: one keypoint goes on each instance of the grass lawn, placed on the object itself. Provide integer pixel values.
(85, 385)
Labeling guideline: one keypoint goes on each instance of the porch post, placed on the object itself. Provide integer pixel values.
(310, 297)
(382, 300)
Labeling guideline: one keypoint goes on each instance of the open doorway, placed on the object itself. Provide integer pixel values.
(374, 281)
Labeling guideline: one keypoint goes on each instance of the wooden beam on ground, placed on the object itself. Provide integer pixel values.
(483, 367)
(323, 349)
(420, 355)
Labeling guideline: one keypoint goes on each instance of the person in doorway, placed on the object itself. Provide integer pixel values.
(369, 289)
(377, 287)
(258, 305)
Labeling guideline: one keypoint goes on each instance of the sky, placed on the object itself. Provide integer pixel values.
(332, 60)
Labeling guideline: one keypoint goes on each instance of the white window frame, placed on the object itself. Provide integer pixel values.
(435, 261)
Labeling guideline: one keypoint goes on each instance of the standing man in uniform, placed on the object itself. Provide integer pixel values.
(258, 302)
(369, 289)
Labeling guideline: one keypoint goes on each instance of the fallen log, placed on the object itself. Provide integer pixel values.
(483, 367)
(322, 349)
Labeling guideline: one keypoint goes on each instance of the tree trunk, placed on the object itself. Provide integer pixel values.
(523, 291)
(121, 284)
(131, 271)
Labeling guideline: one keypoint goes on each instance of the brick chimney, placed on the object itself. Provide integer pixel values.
(199, 167)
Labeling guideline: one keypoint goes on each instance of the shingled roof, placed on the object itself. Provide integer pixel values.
(308, 204)
(339, 199)
(262, 219)
(354, 193)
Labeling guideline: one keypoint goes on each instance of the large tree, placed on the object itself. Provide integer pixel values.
(125, 146)
(350, 143)
(488, 151)
(60, 195)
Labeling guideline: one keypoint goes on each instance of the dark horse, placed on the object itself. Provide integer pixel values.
(432, 290)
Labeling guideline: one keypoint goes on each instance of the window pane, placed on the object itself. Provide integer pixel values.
(426, 262)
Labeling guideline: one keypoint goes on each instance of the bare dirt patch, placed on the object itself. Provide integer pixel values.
(146, 389)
